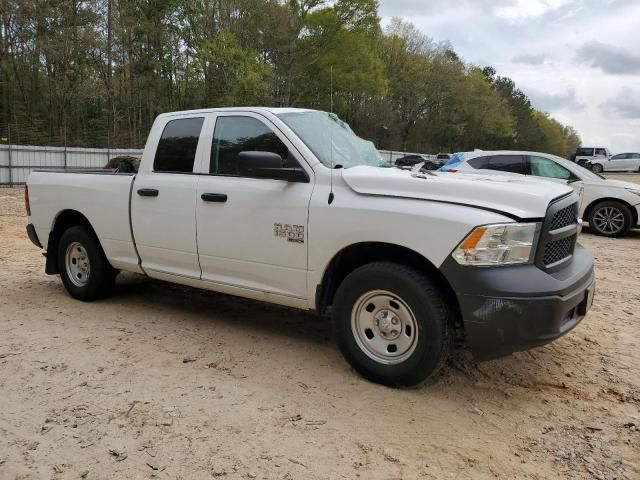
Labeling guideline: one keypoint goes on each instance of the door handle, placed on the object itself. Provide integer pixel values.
(214, 197)
(148, 192)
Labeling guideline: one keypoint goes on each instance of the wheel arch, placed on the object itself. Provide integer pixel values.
(62, 222)
(359, 254)
(591, 206)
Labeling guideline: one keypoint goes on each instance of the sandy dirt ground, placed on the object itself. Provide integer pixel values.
(161, 381)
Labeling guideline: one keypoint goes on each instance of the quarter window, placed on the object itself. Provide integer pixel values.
(543, 167)
(233, 135)
(176, 150)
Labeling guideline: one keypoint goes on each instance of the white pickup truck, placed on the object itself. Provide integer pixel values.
(290, 207)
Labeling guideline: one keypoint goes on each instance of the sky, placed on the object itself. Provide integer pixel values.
(578, 60)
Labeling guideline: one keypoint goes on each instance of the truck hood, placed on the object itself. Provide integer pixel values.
(517, 196)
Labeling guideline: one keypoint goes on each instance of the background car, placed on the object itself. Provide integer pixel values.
(587, 154)
(611, 207)
(413, 159)
(622, 162)
(123, 163)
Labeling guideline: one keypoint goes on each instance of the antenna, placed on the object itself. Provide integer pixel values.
(331, 195)
(331, 88)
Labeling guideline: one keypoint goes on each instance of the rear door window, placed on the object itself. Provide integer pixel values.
(508, 163)
(176, 152)
(480, 162)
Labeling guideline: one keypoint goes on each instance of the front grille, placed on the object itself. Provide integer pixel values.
(559, 250)
(557, 239)
(565, 217)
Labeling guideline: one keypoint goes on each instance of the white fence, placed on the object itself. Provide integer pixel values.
(392, 156)
(17, 161)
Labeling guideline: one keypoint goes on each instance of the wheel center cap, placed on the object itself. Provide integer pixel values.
(388, 324)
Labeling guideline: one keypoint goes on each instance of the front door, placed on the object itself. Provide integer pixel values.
(252, 232)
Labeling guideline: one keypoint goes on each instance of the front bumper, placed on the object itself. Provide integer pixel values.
(508, 309)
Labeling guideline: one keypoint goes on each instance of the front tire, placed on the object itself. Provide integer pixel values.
(84, 269)
(392, 323)
(597, 168)
(610, 219)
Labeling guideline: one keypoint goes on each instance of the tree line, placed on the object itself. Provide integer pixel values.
(95, 73)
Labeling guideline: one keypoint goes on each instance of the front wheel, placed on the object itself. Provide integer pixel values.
(610, 219)
(84, 269)
(392, 324)
(597, 168)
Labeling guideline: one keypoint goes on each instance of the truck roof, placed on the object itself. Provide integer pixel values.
(274, 110)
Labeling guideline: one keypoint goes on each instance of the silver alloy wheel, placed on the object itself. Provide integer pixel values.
(77, 264)
(384, 327)
(597, 168)
(609, 220)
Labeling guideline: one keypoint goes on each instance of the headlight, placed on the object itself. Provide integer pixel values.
(493, 245)
(631, 190)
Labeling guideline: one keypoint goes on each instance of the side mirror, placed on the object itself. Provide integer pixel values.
(269, 165)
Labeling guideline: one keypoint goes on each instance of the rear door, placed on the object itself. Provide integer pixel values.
(252, 232)
(163, 201)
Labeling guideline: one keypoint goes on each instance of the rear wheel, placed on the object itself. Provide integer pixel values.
(610, 219)
(84, 270)
(392, 324)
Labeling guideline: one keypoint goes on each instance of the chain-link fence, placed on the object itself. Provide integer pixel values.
(17, 161)
(391, 156)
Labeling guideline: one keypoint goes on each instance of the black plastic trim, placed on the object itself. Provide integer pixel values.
(507, 309)
(214, 197)
(33, 236)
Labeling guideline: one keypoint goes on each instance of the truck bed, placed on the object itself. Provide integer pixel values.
(102, 196)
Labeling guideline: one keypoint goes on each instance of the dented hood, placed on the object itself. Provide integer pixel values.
(522, 197)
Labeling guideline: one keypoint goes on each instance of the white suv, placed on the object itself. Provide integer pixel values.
(611, 207)
(589, 154)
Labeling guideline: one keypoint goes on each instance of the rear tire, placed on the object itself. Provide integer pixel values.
(610, 219)
(392, 324)
(84, 269)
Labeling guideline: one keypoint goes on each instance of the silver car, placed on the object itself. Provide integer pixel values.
(622, 162)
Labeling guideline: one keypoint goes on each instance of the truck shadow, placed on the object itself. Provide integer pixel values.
(209, 312)
(210, 309)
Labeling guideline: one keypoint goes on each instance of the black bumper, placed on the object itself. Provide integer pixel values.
(33, 236)
(508, 309)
